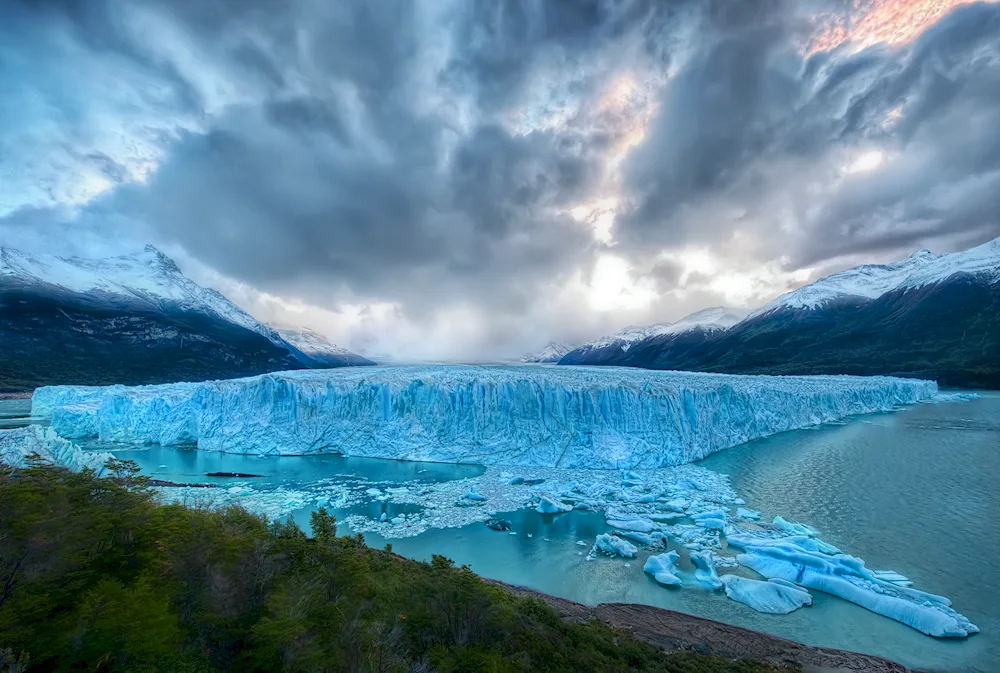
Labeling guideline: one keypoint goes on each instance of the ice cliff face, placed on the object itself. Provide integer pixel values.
(18, 444)
(531, 416)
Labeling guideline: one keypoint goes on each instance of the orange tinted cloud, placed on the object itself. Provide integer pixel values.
(888, 21)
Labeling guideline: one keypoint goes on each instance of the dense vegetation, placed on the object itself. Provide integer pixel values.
(94, 575)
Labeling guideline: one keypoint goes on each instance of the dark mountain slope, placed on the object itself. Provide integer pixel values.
(948, 331)
(52, 336)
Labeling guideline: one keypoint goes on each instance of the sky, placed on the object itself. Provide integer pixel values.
(463, 179)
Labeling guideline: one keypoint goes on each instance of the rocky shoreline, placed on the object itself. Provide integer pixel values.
(678, 631)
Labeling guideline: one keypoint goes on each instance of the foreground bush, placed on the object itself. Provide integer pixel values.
(94, 575)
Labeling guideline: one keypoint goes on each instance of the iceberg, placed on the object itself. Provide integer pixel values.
(705, 573)
(662, 568)
(579, 417)
(549, 505)
(614, 546)
(18, 444)
(776, 597)
(848, 578)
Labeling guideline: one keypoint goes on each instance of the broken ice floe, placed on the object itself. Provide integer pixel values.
(662, 568)
(795, 560)
(776, 596)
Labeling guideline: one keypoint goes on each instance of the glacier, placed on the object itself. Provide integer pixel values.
(18, 444)
(533, 415)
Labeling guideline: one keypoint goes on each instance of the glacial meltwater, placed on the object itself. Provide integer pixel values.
(913, 490)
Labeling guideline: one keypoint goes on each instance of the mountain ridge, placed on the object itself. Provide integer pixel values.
(127, 319)
(928, 316)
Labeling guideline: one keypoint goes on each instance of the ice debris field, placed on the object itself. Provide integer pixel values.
(613, 441)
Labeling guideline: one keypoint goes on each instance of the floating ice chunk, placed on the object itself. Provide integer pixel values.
(597, 418)
(473, 494)
(549, 505)
(748, 514)
(581, 543)
(672, 516)
(800, 541)
(384, 517)
(662, 568)
(646, 497)
(892, 576)
(17, 444)
(656, 539)
(774, 597)
(705, 572)
(846, 576)
(715, 520)
(636, 524)
(614, 546)
(794, 528)
(499, 524)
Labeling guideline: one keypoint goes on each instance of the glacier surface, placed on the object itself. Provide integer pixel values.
(546, 416)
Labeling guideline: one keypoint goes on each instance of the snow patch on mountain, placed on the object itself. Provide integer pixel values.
(710, 319)
(553, 352)
(871, 281)
(148, 277)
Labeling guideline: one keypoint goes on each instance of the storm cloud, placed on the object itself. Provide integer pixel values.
(481, 177)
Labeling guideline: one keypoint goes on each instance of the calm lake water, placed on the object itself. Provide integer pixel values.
(916, 491)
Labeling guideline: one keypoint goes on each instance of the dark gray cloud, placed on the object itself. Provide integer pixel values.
(747, 104)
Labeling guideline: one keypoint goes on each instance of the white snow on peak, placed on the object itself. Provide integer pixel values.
(708, 319)
(552, 352)
(148, 276)
(310, 342)
(594, 417)
(871, 281)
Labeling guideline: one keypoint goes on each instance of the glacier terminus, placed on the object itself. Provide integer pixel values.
(532, 415)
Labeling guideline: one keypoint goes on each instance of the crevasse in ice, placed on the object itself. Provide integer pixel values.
(593, 417)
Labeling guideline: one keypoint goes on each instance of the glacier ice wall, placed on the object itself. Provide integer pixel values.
(592, 417)
(18, 444)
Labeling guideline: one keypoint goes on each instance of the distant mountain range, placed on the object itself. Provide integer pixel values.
(319, 348)
(688, 330)
(133, 319)
(930, 316)
(552, 353)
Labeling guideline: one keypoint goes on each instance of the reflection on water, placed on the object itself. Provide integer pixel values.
(914, 491)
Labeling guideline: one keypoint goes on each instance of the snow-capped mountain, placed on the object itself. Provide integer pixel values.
(871, 281)
(929, 316)
(553, 352)
(148, 276)
(703, 322)
(319, 348)
(127, 319)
